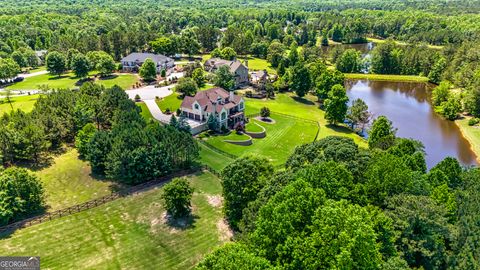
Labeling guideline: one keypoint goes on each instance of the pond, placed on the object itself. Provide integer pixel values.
(408, 106)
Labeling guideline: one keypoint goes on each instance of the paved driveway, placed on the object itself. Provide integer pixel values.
(150, 92)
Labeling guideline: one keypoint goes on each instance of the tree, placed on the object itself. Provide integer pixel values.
(148, 70)
(212, 122)
(163, 45)
(241, 182)
(56, 63)
(189, 42)
(382, 134)
(423, 229)
(177, 196)
(80, 65)
(275, 53)
(233, 256)
(324, 38)
(350, 61)
(19, 59)
(358, 114)
(441, 93)
(265, 112)
(8, 68)
(326, 80)
(82, 140)
(22, 194)
(435, 75)
(224, 78)
(198, 76)
(106, 65)
(228, 53)
(300, 81)
(451, 108)
(186, 86)
(336, 105)
(216, 53)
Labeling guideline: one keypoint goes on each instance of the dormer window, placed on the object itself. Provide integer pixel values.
(197, 107)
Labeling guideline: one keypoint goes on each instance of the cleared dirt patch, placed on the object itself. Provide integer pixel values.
(215, 200)
(224, 230)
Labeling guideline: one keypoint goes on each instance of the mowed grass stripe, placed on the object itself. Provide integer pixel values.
(125, 233)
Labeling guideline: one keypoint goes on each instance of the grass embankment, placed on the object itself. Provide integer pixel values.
(213, 159)
(282, 138)
(472, 134)
(128, 233)
(171, 102)
(402, 43)
(69, 181)
(307, 108)
(252, 126)
(68, 80)
(24, 103)
(386, 77)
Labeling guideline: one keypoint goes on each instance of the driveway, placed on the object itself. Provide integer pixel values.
(150, 92)
(32, 74)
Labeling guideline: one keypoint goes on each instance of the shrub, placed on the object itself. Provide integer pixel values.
(137, 98)
(265, 112)
(473, 121)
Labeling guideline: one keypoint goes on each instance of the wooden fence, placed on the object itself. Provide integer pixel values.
(97, 202)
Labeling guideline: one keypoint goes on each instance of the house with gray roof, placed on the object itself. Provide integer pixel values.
(227, 107)
(133, 61)
(239, 70)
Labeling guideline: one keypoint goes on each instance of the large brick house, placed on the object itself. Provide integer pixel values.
(239, 70)
(133, 61)
(227, 107)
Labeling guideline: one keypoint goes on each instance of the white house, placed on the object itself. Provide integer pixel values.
(227, 107)
(133, 61)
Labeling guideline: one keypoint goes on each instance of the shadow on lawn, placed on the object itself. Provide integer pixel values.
(303, 100)
(181, 223)
(339, 129)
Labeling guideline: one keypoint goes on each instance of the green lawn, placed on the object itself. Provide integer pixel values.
(69, 181)
(252, 126)
(304, 108)
(472, 134)
(68, 80)
(282, 138)
(386, 77)
(145, 111)
(41, 68)
(171, 102)
(24, 103)
(260, 64)
(376, 40)
(213, 159)
(125, 81)
(128, 233)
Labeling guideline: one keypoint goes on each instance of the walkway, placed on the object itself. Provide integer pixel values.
(156, 112)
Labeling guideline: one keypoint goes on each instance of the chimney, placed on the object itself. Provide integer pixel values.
(231, 96)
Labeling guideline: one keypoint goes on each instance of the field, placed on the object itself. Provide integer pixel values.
(69, 181)
(260, 64)
(386, 77)
(68, 80)
(24, 103)
(303, 108)
(128, 233)
(213, 159)
(282, 138)
(472, 134)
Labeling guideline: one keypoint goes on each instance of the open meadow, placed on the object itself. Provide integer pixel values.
(128, 233)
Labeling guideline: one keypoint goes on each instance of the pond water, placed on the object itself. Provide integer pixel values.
(408, 106)
(364, 48)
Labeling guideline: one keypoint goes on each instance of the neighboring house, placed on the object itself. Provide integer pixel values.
(239, 70)
(227, 107)
(134, 61)
(259, 77)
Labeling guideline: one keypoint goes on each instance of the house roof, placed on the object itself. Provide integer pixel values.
(218, 62)
(141, 57)
(208, 100)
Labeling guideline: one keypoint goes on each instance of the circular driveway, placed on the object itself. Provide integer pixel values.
(150, 92)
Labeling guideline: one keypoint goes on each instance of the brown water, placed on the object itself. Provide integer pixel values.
(408, 106)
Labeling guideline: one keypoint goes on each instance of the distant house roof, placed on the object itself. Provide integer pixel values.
(41, 53)
(208, 100)
(218, 62)
(141, 57)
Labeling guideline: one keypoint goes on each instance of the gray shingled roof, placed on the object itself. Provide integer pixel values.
(141, 57)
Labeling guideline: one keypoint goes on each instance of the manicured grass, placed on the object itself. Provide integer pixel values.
(206, 87)
(282, 138)
(213, 159)
(145, 111)
(41, 68)
(260, 64)
(125, 81)
(234, 136)
(68, 80)
(128, 233)
(386, 77)
(306, 107)
(171, 102)
(472, 134)
(69, 181)
(252, 126)
(24, 103)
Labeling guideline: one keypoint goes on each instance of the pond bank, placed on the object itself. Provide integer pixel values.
(385, 77)
(471, 134)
